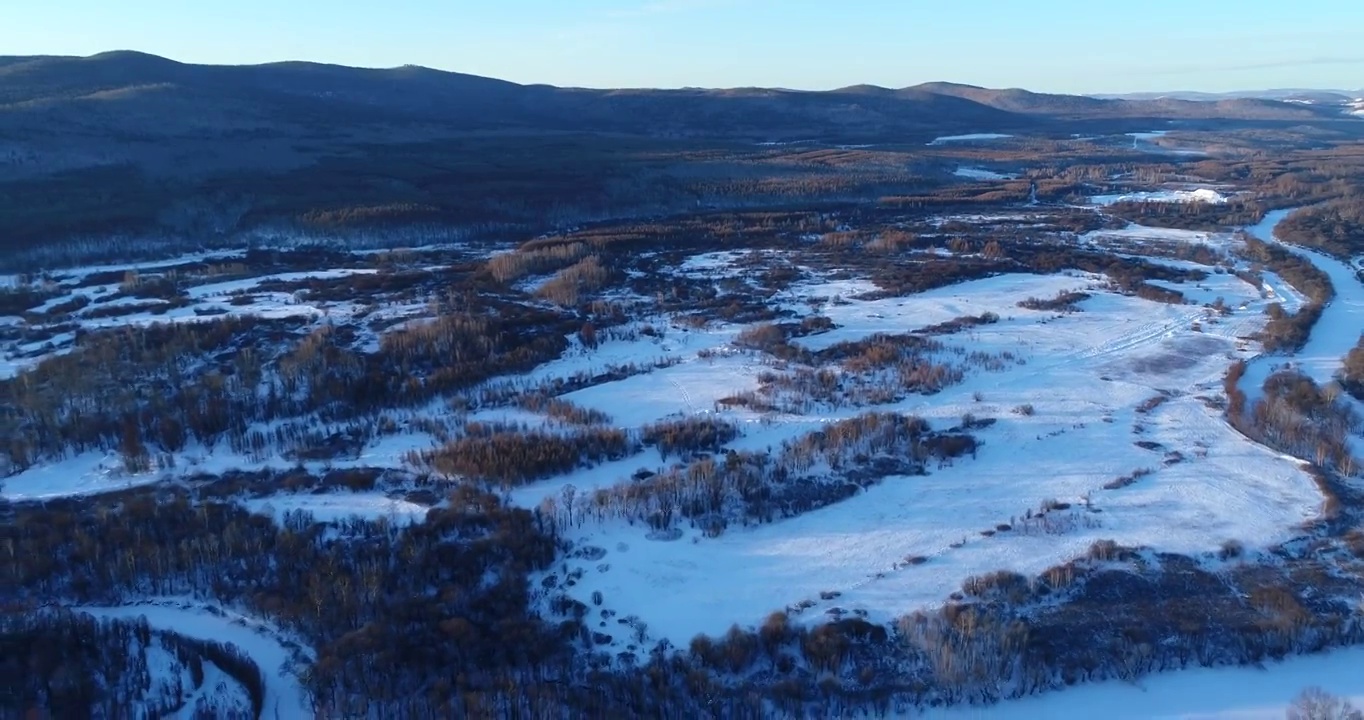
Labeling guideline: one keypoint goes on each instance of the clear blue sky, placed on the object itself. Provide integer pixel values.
(1050, 45)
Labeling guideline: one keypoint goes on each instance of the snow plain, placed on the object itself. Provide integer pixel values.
(1086, 375)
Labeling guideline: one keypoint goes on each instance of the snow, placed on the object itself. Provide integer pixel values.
(337, 507)
(693, 386)
(265, 644)
(969, 137)
(211, 301)
(11, 367)
(1147, 136)
(219, 691)
(1144, 234)
(1278, 290)
(387, 451)
(983, 219)
(84, 474)
(859, 319)
(720, 264)
(982, 174)
(1086, 374)
(73, 276)
(171, 679)
(1232, 693)
(222, 290)
(97, 472)
(612, 353)
(1146, 141)
(1201, 195)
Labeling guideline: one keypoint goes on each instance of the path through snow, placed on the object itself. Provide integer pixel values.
(264, 643)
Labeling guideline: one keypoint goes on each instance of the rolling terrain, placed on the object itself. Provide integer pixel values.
(399, 393)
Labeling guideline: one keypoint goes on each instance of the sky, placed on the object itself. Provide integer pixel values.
(1046, 45)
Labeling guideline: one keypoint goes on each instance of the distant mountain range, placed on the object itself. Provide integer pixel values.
(148, 96)
(130, 141)
(1290, 95)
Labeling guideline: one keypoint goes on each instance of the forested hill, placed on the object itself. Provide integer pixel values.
(120, 91)
(131, 143)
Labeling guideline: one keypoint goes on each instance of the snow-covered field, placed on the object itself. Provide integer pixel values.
(1144, 234)
(1086, 375)
(860, 318)
(272, 650)
(973, 173)
(94, 472)
(968, 137)
(84, 474)
(1199, 195)
(336, 507)
(1146, 141)
(1240, 693)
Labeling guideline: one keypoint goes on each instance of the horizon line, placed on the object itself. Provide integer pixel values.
(1110, 94)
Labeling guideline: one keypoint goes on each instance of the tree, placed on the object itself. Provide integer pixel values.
(588, 335)
(1317, 704)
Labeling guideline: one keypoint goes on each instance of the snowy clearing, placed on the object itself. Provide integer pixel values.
(1231, 693)
(338, 507)
(97, 472)
(84, 474)
(969, 137)
(1200, 195)
(972, 173)
(222, 290)
(1146, 142)
(858, 319)
(1142, 234)
(73, 276)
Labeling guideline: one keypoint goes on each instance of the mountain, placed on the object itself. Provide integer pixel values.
(1081, 106)
(1281, 94)
(1023, 101)
(126, 140)
(130, 92)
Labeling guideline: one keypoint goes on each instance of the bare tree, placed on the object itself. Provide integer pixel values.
(1317, 704)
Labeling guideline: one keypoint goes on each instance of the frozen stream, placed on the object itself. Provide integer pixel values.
(284, 694)
(1334, 335)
